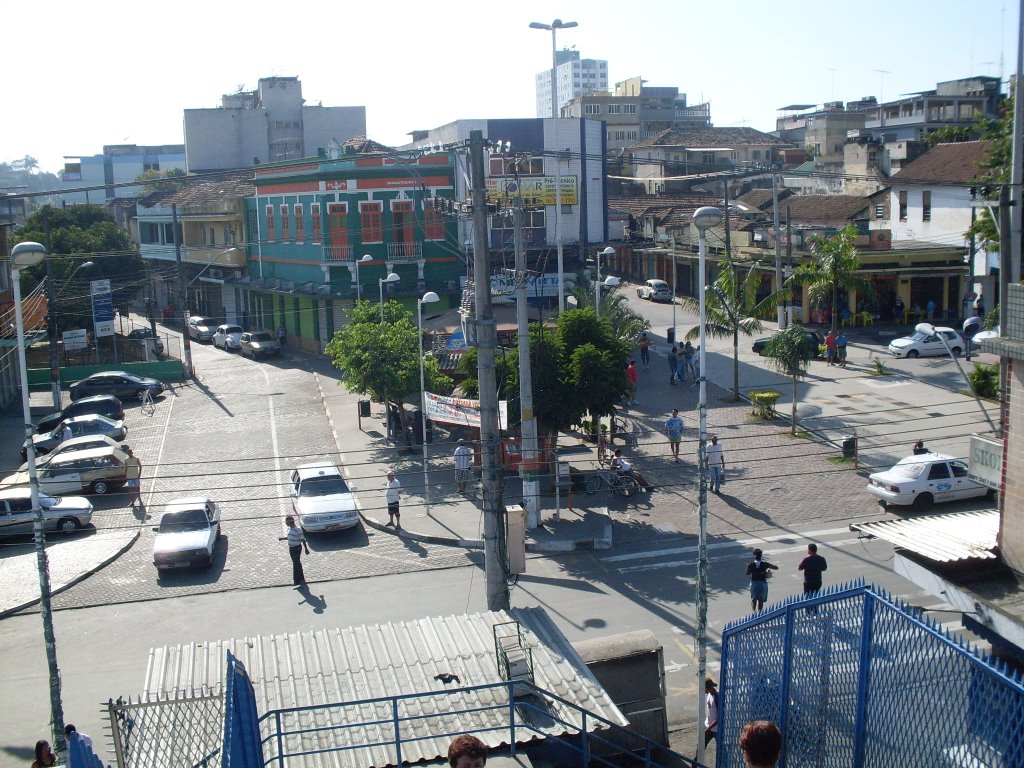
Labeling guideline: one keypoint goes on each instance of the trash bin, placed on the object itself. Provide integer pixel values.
(364, 409)
(670, 335)
(850, 447)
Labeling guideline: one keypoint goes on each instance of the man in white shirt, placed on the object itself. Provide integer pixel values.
(716, 463)
(391, 496)
(70, 729)
(296, 543)
(463, 462)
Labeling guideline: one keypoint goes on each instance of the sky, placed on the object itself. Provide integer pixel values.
(81, 75)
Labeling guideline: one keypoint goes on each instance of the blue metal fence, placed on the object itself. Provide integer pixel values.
(854, 678)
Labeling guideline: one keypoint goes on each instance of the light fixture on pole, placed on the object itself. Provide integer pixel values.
(359, 286)
(51, 326)
(391, 278)
(671, 240)
(703, 218)
(428, 298)
(611, 281)
(929, 330)
(24, 255)
(553, 27)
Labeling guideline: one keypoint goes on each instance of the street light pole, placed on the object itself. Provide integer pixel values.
(428, 298)
(672, 244)
(359, 286)
(24, 255)
(703, 219)
(51, 326)
(929, 329)
(391, 278)
(612, 281)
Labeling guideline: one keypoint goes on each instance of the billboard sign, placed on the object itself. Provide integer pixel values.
(76, 339)
(986, 462)
(536, 190)
(102, 308)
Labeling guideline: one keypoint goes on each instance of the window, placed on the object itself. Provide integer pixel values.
(270, 223)
(285, 229)
(926, 206)
(614, 109)
(591, 109)
(938, 471)
(149, 233)
(300, 233)
(213, 236)
(629, 109)
(708, 158)
(501, 165)
(880, 211)
(154, 166)
(254, 223)
(755, 154)
(903, 206)
(370, 221)
(433, 220)
(314, 214)
(169, 233)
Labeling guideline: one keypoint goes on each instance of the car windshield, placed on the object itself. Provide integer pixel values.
(232, 329)
(202, 321)
(909, 471)
(918, 336)
(181, 522)
(260, 337)
(322, 486)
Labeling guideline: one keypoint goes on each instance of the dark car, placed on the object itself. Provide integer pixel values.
(141, 334)
(104, 405)
(116, 383)
(811, 339)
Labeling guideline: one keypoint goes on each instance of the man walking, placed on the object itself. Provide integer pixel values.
(391, 496)
(674, 430)
(716, 463)
(673, 364)
(830, 347)
(645, 350)
(463, 461)
(689, 367)
(812, 565)
(133, 471)
(841, 349)
(296, 543)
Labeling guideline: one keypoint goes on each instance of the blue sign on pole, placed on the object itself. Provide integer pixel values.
(102, 308)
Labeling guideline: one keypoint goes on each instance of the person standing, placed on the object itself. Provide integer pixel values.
(282, 335)
(70, 729)
(759, 572)
(716, 465)
(689, 353)
(711, 718)
(632, 377)
(391, 496)
(841, 348)
(44, 755)
(645, 350)
(830, 347)
(674, 430)
(463, 462)
(930, 308)
(296, 543)
(761, 744)
(673, 364)
(898, 310)
(970, 327)
(813, 565)
(133, 471)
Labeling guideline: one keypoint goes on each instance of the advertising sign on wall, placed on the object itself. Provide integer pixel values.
(460, 410)
(102, 308)
(75, 339)
(536, 190)
(986, 462)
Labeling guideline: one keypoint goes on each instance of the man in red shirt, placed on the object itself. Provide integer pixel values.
(830, 347)
(632, 377)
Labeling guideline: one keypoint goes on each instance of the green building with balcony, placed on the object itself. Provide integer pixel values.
(326, 231)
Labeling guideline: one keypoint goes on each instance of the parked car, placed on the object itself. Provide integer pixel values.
(83, 443)
(655, 290)
(117, 383)
(16, 517)
(259, 343)
(920, 344)
(923, 480)
(201, 328)
(228, 337)
(321, 499)
(140, 335)
(980, 336)
(98, 470)
(187, 534)
(104, 405)
(813, 341)
(91, 424)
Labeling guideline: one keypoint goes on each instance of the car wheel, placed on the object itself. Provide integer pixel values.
(882, 503)
(923, 502)
(913, 354)
(68, 524)
(956, 351)
(100, 487)
(639, 293)
(990, 494)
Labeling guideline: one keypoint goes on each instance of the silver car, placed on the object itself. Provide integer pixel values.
(201, 328)
(76, 426)
(187, 534)
(66, 514)
(83, 443)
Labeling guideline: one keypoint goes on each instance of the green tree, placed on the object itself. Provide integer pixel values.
(625, 323)
(381, 359)
(171, 180)
(834, 267)
(788, 353)
(731, 308)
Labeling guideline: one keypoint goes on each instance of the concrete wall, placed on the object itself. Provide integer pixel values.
(224, 138)
(321, 124)
(1011, 532)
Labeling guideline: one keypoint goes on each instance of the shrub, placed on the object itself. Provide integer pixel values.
(985, 380)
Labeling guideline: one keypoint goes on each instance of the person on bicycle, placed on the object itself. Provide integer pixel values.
(625, 468)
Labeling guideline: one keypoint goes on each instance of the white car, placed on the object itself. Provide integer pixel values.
(920, 344)
(16, 518)
(655, 290)
(228, 337)
(187, 534)
(321, 499)
(201, 328)
(923, 480)
(980, 336)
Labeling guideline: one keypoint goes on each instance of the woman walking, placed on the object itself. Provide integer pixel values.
(759, 572)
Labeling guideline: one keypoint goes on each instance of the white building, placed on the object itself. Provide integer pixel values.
(267, 125)
(574, 77)
(96, 175)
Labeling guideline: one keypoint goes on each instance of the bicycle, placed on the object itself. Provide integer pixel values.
(146, 398)
(624, 485)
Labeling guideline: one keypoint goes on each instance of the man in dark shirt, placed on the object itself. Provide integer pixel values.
(812, 566)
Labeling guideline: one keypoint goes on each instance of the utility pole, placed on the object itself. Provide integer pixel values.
(780, 312)
(486, 341)
(51, 333)
(789, 260)
(186, 344)
(1016, 175)
(528, 423)
(558, 230)
(1006, 260)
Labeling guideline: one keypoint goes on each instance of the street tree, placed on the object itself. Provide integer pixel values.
(732, 308)
(168, 181)
(625, 323)
(381, 359)
(787, 352)
(834, 267)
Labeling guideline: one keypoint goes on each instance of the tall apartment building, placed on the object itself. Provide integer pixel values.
(268, 125)
(96, 175)
(573, 77)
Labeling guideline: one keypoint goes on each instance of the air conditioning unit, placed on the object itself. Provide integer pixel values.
(215, 273)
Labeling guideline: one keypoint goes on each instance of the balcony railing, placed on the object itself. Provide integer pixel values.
(405, 251)
(335, 254)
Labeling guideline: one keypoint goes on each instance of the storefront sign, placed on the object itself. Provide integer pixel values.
(536, 190)
(536, 285)
(986, 463)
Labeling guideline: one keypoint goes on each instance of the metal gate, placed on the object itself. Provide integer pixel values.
(170, 733)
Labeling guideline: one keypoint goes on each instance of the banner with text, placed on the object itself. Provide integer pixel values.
(102, 307)
(536, 190)
(460, 410)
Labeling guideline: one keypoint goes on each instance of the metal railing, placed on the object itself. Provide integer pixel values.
(402, 251)
(338, 253)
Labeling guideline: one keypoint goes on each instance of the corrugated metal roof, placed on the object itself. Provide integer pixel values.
(329, 666)
(943, 538)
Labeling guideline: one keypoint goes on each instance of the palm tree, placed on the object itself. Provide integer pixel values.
(834, 268)
(626, 324)
(731, 308)
(788, 353)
